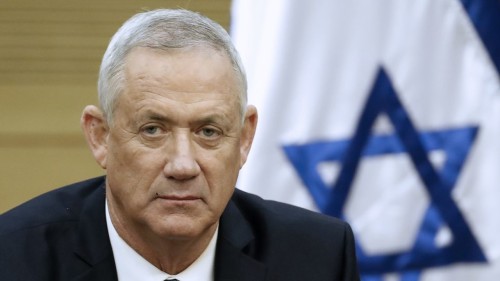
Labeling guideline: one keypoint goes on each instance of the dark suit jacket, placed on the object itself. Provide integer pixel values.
(62, 235)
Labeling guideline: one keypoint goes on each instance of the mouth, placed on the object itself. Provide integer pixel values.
(179, 198)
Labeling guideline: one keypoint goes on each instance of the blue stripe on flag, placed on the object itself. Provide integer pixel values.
(485, 15)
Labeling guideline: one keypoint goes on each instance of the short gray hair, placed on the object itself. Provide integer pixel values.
(162, 29)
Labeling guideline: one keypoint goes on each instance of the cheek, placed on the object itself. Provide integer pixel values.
(134, 157)
(221, 171)
(132, 171)
(223, 161)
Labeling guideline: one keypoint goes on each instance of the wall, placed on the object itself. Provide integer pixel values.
(49, 58)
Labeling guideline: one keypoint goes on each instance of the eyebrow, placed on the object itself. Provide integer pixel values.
(210, 118)
(157, 117)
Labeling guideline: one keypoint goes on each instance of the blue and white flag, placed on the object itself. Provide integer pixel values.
(385, 113)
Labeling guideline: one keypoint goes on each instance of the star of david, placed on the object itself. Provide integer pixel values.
(442, 210)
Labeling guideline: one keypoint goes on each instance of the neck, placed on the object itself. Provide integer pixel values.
(169, 254)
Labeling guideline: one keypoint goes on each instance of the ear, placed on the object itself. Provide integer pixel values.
(248, 133)
(96, 131)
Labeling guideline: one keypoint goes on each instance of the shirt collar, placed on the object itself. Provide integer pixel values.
(130, 266)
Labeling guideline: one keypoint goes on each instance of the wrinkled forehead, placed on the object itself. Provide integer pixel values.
(192, 69)
(183, 73)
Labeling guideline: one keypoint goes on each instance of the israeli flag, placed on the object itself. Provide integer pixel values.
(385, 113)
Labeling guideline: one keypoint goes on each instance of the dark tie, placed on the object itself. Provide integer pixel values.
(171, 280)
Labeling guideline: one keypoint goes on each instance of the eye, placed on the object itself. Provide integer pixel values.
(209, 132)
(153, 135)
(151, 130)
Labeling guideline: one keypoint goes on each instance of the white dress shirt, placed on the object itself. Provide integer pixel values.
(130, 266)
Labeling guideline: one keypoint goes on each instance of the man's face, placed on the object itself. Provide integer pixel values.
(176, 144)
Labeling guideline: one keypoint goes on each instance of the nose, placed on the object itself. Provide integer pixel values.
(181, 164)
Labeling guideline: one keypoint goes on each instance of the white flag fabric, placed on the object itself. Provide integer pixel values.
(385, 113)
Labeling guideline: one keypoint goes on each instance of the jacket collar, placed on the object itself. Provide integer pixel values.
(92, 244)
(234, 259)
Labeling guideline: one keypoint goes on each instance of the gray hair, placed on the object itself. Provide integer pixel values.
(162, 29)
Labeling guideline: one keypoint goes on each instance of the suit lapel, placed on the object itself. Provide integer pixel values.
(234, 259)
(92, 244)
(104, 270)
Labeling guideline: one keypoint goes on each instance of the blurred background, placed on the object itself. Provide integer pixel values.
(385, 113)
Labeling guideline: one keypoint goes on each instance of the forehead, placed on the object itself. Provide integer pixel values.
(190, 69)
(183, 76)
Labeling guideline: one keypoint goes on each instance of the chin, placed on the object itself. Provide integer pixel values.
(179, 228)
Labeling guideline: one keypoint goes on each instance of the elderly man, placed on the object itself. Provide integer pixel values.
(172, 132)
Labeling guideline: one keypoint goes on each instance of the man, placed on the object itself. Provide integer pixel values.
(172, 131)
